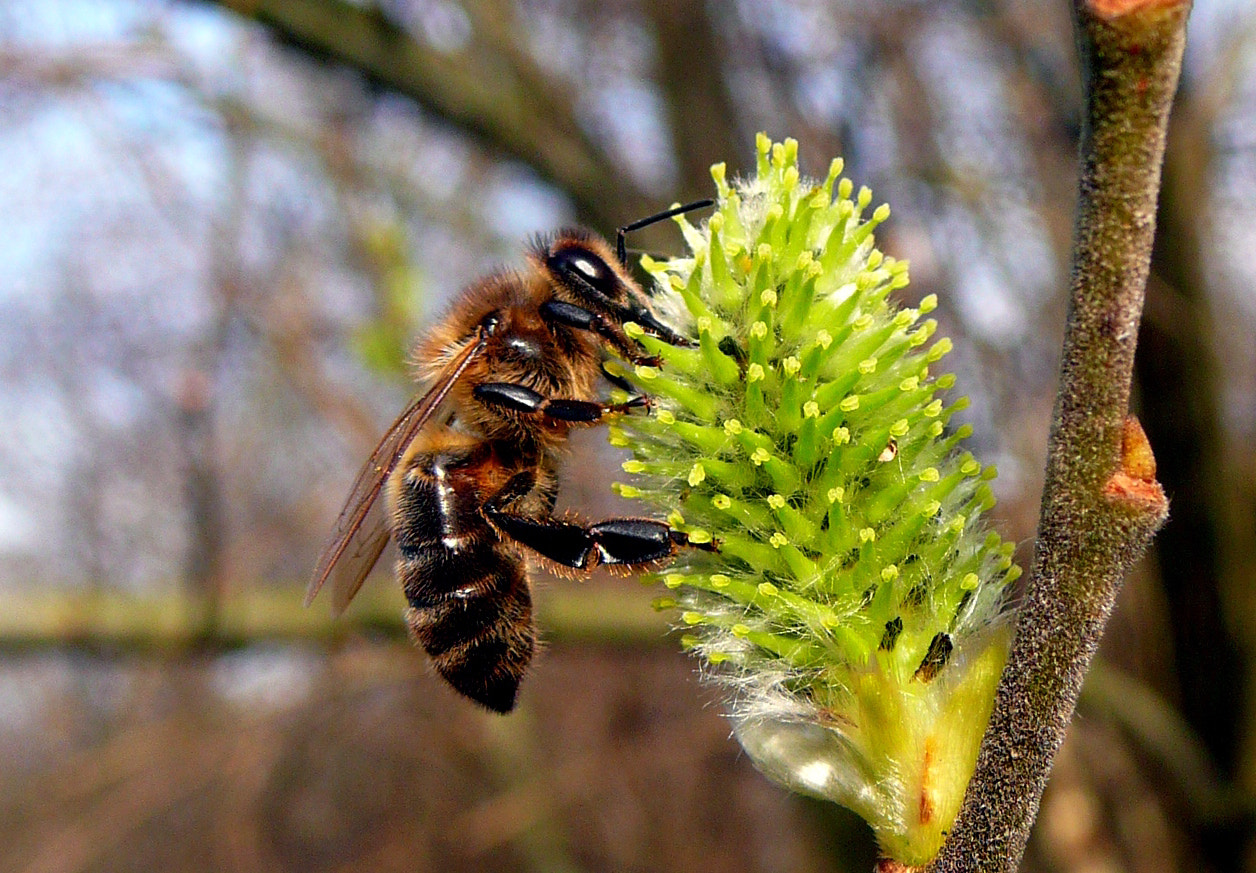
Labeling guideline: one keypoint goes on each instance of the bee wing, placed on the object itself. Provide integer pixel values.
(360, 555)
(361, 529)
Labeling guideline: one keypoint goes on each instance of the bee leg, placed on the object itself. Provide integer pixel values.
(624, 541)
(571, 315)
(518, 398)
(617, 380)
(650, 322)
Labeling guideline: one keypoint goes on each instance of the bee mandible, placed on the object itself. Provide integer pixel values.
(469, 469)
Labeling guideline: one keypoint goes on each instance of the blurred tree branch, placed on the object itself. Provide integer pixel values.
(171, 622)
(492, 90)
(1167, 740)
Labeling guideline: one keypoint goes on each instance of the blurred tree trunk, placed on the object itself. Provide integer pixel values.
(197, 398)
(699, 108)
(202, 494)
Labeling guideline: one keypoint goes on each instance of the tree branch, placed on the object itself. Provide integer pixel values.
(498, 96)
(1101, 504)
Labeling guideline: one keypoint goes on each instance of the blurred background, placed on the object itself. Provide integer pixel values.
(223, 223)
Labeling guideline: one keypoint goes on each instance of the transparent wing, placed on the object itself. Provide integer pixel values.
(361, 530)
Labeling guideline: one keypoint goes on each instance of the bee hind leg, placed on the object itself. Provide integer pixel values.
(617, 541)
(521, 399)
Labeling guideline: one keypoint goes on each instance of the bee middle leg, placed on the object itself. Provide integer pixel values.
(521, 399)
(623, 541)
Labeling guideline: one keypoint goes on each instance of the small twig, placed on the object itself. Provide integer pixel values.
(1101, 504)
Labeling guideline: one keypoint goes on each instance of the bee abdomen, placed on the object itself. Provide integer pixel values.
(472, 612)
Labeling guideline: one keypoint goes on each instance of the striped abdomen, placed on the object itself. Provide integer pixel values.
(470, 604)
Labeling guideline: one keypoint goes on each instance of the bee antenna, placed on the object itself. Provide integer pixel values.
(620, 249)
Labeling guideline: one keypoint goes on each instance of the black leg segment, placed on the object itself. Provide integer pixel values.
(523, 400)
(561, 542)
(635, 540)
(571, 315)
(625, 541)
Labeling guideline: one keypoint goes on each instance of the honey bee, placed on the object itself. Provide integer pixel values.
(469, 469)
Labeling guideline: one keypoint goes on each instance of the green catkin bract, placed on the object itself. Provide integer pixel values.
(854, 607)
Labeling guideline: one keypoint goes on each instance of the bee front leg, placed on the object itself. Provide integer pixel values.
(612, 332)
(521, 399)
(623, 541)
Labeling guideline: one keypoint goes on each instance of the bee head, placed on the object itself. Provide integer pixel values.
(584, 266)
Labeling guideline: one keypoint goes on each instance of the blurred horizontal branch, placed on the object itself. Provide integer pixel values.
(120, 623)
